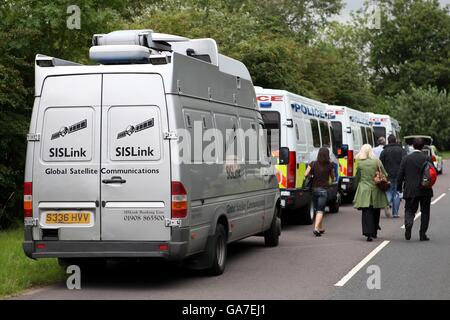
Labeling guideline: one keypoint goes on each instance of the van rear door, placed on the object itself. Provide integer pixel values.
(135, 173)
(66, 167)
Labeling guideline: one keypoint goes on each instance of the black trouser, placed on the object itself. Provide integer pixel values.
(370, 219)
(411, 207)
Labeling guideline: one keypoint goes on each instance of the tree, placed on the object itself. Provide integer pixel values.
(411, 47)
(28, 28)
(423, 111)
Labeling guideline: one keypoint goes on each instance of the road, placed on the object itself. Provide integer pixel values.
(301, 267)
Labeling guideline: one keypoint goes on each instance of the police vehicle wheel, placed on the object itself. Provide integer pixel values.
(272, 235)
(335, 204)
(306, 215)
(218, 251)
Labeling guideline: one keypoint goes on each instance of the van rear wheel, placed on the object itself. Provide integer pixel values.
(217, 251)
(334, 204)
(306, 215)
(272, 235)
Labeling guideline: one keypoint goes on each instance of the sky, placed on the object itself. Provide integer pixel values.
(353, 5)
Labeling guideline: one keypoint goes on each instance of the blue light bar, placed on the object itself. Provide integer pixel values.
(265, 104)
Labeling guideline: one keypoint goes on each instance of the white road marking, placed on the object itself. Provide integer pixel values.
(359, 266)
(439, 198)
(415, 218)
(434, 202)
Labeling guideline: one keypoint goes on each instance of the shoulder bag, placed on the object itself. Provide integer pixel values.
(380, 179)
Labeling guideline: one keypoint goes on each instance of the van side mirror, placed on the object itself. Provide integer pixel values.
(283, 155)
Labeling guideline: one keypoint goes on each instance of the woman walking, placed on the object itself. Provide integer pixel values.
(321, 172)
(369, 198)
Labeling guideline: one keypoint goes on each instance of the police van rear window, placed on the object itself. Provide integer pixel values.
(379, 132)
(272, 125)
(337, 130)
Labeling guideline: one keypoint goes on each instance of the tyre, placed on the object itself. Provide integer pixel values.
(217, 252)
(272, 235)
(306, 215)
(335, 204)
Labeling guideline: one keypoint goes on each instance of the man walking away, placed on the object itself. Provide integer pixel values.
(391, 157)
(381, 142)
(409, 178)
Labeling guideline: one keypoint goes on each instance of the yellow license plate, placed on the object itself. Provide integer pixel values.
(78, 217)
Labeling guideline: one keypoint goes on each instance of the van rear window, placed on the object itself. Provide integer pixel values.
(337, 131)
(272, 125)
(379, 132)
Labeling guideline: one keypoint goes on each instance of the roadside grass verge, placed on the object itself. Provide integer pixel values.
(17, 271)
(445, 154)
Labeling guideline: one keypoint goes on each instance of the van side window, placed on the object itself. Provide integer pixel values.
(228, 126)
(315, 133)
(296, 132)
(302, 135)
(203, 121)
(326, 140)
(250, 139)
(262, 144)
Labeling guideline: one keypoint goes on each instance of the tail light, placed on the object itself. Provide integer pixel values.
(28, 200)
(350, 163)
(179, 200)
(291, 169)
(433, 158)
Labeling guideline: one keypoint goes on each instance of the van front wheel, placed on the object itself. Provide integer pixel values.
(217, 250)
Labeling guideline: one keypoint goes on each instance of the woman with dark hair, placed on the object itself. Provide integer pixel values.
(322, 173)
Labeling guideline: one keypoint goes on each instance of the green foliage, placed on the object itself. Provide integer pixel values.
(19, 272)
(28, 28)
(411, 47)
(423, 111)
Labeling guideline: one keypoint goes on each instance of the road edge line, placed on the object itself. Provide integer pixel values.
(361, 264)
(438, 198)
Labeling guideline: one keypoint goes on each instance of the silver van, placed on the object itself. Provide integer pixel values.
(119, 162)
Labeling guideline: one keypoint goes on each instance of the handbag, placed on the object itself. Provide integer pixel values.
(380, 179)
(308, 182)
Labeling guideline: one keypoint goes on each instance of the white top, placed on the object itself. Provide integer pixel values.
(377, 151)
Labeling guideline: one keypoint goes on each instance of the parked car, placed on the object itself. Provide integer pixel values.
(429, 149)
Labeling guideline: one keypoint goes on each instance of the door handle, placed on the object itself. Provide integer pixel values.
(114, 180)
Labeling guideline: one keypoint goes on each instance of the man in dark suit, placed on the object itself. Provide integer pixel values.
(409, 179)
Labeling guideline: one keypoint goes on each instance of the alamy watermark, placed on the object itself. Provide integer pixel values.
(373, 12)
(374, 280)
(73, 21)
(74, 280)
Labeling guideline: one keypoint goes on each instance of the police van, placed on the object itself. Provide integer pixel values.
(114, 165)
(384, 125)
(297, 127)
(352, 129)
